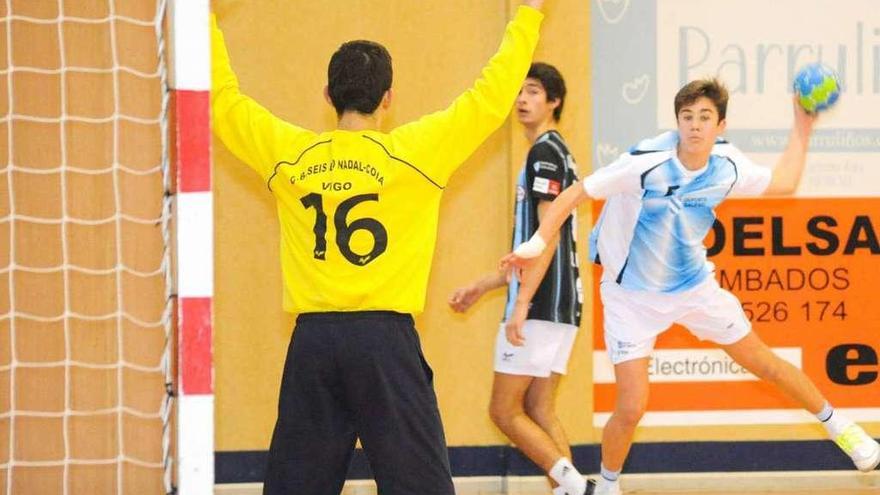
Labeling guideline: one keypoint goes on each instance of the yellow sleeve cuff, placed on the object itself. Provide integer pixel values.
(528, 15)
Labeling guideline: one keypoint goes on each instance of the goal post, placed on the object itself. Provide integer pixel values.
(191, 82)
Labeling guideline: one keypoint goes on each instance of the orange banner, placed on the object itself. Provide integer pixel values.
(807, 274)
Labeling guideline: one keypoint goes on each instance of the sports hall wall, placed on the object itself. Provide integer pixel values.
(280, 50)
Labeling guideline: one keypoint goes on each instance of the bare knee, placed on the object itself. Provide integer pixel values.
(502, 412)
(541, 414)
(630, 413)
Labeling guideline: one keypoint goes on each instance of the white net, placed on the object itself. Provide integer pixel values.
(85, 301)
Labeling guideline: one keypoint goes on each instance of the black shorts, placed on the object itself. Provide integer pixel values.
(357, 375)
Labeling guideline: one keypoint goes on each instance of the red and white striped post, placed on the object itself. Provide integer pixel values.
(191, 83)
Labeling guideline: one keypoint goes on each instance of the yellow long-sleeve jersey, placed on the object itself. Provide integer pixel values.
(359, 210)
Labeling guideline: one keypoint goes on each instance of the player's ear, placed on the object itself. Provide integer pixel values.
(327, 95)
(722, 125)
(386, 98)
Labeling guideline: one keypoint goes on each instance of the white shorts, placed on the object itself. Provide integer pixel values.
(633, 319)
(547, 349)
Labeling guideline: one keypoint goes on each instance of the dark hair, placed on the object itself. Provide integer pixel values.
(358, 76)
(711, 88)
(553, 84)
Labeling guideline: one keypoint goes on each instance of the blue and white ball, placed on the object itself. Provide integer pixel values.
(817, 86)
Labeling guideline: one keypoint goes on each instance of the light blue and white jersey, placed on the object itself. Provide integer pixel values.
(657, 213)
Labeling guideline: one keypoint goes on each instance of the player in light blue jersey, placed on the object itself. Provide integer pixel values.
(660, 201)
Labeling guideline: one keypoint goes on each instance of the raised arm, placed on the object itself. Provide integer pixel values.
(250, 131)
(441, 141)
(790, 167)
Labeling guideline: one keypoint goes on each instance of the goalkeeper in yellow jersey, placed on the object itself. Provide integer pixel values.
(358, 209)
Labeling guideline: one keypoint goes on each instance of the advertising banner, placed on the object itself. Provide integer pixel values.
(644, 51)
(807, 273)
(805, 268)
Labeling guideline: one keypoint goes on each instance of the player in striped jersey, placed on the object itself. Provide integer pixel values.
(528, 367)
(660, 201)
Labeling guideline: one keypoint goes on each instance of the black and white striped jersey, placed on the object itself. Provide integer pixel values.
(548, 170)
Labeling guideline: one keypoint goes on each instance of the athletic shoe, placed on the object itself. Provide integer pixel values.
(606, 487)
(591, 488)
(861, 448)
(591, 485)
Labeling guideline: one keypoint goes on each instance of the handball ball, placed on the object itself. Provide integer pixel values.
(817, 86)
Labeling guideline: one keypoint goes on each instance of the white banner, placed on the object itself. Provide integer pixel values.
(690, 365)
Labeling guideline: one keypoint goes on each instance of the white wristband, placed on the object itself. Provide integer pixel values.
(531, 248)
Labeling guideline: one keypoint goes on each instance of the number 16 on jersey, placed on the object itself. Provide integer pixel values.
(344, 229)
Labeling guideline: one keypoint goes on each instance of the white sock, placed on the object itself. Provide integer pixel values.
(571, 482)
(609, 475)
(836, 424)
(605, 483)
(826, 412)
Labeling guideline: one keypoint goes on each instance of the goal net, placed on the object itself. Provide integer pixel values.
(85, 275)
